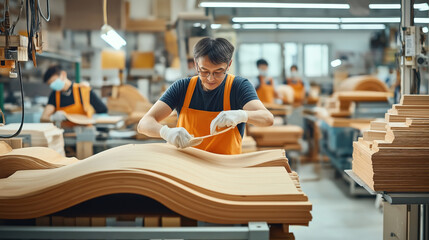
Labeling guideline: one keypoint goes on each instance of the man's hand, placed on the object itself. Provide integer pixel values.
(178, 137)
(58, 116)
(228, 119)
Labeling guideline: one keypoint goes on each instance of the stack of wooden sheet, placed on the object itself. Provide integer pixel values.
(340, 104)
(276, 136)
(193, 183)
(12, 160)
(41, 134)
(393, 155)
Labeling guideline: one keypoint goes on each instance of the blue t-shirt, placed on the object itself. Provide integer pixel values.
(242, 92)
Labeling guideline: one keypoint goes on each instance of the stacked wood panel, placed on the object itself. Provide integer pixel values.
(393, 154)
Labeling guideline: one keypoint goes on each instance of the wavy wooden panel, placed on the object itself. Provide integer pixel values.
(198, 186)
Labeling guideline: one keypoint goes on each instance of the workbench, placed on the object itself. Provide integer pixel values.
(254, 231)
(406, 214)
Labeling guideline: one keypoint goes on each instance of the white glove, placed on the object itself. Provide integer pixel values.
(58, 116)
(228, 119)
(178, 137)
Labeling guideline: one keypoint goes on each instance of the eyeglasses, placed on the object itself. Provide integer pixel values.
(206, 74)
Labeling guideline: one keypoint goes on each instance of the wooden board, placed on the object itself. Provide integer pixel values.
(191, 186)
(276, 136)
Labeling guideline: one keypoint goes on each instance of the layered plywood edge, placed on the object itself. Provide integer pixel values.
(41, 135)
(393, 155)
(196, 184)
(276, 136)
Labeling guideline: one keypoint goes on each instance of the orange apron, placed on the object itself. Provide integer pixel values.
(265, 91)
(298, 89)
(77, 107)
(197, 122)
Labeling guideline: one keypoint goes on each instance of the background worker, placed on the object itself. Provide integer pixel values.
(265, 85)
(211, 100)
(68, 97)
(296, 82)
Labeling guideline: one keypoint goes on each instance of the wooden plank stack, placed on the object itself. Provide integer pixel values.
(276, 136)
(340, 104)
(393, 155)
(193, 183)
(42, 134)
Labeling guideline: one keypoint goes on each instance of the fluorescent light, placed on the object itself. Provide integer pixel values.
(196, 24)
(109, 35)
(286, 19)
(385, 6)
(421, 20)
(425, 30)
(371, 20)
(308, 26)
(216, 26)
(273, 5)
(363, 26)
(336, 63)
(259, 26)
(422, 6)
(236, 26)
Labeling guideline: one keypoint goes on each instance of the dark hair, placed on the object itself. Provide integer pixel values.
(261, 62)
(56, 69)
(294, 66)
(218, 50)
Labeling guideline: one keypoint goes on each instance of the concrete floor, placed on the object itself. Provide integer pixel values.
(336, 214)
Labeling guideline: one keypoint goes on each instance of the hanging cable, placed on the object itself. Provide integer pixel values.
(22, 105)
(17, 18)
(47, 10)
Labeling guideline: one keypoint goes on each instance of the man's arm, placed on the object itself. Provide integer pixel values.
(257, 114)
(47, 112)
(96, 103)
(149, 125)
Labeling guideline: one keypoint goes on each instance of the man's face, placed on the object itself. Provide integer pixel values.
(263, 67)
(211, 75)
(62, 76)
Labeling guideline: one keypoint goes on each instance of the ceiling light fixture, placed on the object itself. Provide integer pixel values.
(371, 20)
(336, 63)
(273, 5)
(259, 26)
(215, 26)
(286, 19)
(421, 20)
(109, 34)
(308, 26)
(363, 26)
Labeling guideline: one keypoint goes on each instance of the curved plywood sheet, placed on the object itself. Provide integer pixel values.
(197, 186)
(30, 158)
(363, 83)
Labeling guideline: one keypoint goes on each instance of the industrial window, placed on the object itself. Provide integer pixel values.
(249, 53)
(316, 57)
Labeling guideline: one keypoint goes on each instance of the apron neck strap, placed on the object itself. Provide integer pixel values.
(190, 91)
(227, 92)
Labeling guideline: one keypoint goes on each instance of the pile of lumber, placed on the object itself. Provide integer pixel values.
(193, 183)
(363, 83)
(277, 136)
(41, 134)
(392, 155)
(341, 104)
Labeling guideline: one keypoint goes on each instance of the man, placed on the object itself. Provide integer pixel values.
(206, 102)
(295, 81)
(265, 86)
(68, 97)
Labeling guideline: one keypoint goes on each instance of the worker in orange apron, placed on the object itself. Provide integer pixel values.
(68, 97)
(265, 87)
(208, 102)
(297, 85)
